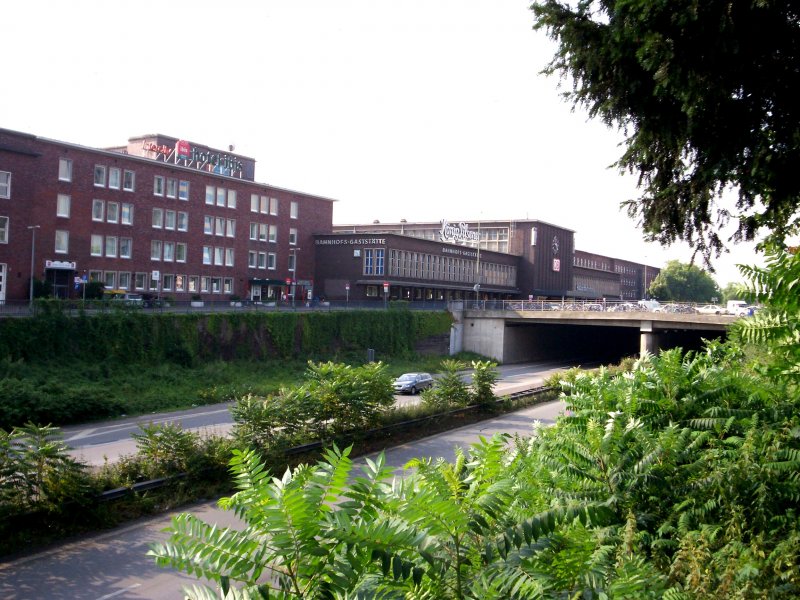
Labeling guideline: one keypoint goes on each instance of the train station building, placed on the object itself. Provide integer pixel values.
(163, 215)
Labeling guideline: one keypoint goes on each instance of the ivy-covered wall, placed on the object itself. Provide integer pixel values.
(134, 337)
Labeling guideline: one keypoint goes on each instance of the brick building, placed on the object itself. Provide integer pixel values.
(159, 215)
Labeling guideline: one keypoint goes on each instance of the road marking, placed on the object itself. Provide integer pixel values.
(118, 592)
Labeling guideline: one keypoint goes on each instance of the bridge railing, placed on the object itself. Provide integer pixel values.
(588, 306)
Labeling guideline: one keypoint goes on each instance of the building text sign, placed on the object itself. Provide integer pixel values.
(352, 242)
(458, 233)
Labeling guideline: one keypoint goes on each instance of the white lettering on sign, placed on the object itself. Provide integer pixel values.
(457, 233)
(352, 242)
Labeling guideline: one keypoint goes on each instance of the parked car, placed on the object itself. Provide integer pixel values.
(710, 309)
(651, 305)
(411, 383)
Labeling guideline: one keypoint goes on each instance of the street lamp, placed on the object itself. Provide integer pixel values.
(294, 252)
(33, 229)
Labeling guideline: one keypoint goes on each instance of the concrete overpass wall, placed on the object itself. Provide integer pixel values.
(485, 337)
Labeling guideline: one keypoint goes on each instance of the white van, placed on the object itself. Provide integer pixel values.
(738, 308)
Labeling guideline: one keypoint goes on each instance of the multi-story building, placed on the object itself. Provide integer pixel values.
(159, 215)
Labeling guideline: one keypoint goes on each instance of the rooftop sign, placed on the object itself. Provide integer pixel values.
(458, 233)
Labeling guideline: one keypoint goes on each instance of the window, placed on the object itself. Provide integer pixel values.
(158, 218)
(158, 185)
(96, 245)
(218, 256)
(3, 230)
(183, 221)
(124, 280)
(172, 188)
(126, 216)
(153, 285)
(128, 180)
(139, 280)
(125, 245)
(183, 190)
(273, 206)
(5, 184)
(220, 226)
(254, 231)
(227, 285)
(95, 276)
(113, 178)
(220, 196)
(207, 255)
(112, 212)
(262, 260)
(273, 233)
(99, 176)
(231, 198)
(216, 285)
(194, 283)
(252, 258)
(98, 209)
(168, 283)
(262, 232)
(368, 261)
(272, 260)
(155, 250)
(110, 279)
(208, 225)
(210, 194)
(111, 246)
(63, 205)
(180, 283)
(293, 210)
(169, 251)
(379, 254)
(292, 261)
(264, 205)
(254, 203)
(292, 237)
(62, 242)
(64, 169)
(169, 219)
(180, 252)
(533, 236)
(228, 257)
(231, 229)
(205, 284)
(371, 291)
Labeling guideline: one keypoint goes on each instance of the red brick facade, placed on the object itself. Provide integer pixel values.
(91, 225)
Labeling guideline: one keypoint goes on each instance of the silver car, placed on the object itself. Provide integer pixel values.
(411, 383)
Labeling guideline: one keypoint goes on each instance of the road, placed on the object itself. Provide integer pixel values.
(113, 565)
(96, 443)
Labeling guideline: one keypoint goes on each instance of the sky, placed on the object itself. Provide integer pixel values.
(415, 109)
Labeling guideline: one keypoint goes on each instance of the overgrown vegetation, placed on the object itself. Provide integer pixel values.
(61, 369)
(677, 479)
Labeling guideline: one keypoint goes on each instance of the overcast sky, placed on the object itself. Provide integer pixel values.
(414, 109)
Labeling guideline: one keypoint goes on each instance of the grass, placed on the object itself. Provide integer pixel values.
(129, 390)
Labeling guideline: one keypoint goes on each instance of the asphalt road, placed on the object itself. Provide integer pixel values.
(113, 565)
(96, 443)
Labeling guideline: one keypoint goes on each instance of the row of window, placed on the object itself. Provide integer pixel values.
(125, 179)
(112, 177)
(419, 265)
(261, 232)
(168, 282)
(590, 263)
(110, 212)
(170, 187)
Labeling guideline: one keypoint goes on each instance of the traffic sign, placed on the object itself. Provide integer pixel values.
(156, 275)
(385, 287)
(347, 287)
(288, 281)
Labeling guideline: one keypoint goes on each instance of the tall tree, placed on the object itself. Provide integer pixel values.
(687, 283)
(704, 94)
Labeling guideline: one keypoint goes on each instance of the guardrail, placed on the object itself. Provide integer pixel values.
(650, 306)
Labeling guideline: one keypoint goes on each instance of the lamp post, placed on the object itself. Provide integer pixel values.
(33, 229)
(294, 252)
(478, 270)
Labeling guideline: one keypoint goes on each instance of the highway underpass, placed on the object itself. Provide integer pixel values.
(512, 336)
